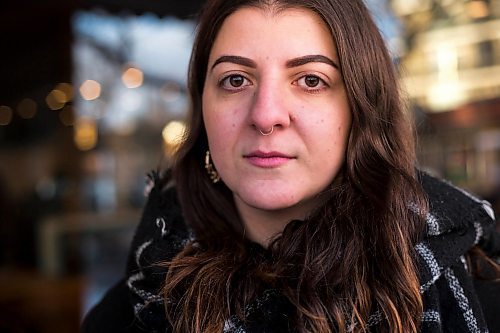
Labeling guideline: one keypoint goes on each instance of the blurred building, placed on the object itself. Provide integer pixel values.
(92, 97)
(450, 64)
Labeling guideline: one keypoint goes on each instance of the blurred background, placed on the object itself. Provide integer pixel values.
(93, 96)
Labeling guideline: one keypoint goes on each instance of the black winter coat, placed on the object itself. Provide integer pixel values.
(453, 300)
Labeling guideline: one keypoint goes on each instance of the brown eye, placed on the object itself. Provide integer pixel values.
(236, 81)
(311, 81)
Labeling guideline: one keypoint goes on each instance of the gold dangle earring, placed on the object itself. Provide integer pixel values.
(212, 173)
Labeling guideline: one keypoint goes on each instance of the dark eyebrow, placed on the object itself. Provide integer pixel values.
(235, 60)
(310, 58)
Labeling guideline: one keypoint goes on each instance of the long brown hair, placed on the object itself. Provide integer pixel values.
(350, 258)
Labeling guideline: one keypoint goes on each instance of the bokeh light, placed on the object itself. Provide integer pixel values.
(67, 90)
(173, 133)
(67, 116)
(132, 77)
(5, 115)
(27, 108)
(477, 9)
(85, 134)
(90, 90)
(55, 100)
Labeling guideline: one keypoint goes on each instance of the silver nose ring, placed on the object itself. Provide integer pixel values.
(268, 132)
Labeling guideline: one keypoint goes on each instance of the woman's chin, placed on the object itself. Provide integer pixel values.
(266, 201)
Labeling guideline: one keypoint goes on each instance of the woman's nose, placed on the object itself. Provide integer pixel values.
(269, 108)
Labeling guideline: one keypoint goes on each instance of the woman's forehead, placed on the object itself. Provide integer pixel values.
(259, 32)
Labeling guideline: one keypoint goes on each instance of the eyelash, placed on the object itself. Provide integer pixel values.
(313, 90)
(224, 83)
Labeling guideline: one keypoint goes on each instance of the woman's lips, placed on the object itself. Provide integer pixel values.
(271, 159)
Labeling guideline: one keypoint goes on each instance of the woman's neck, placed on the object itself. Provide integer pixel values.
(262, 226)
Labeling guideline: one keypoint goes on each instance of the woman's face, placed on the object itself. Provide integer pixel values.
(276, 70)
